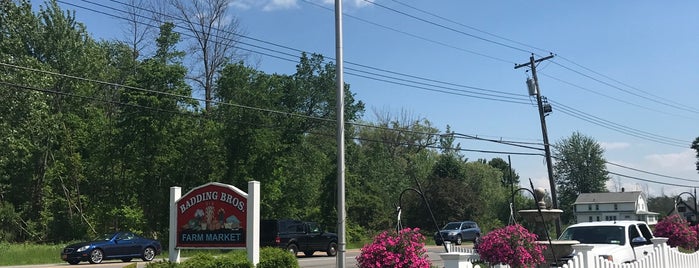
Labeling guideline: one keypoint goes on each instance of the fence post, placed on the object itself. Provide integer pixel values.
(583, 251)
(456, 260)
(661, 244)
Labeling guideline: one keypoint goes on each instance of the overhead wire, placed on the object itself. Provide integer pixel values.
(108, 14)
(619, 128)
(356, 124)
(579, 115)
(652, 98)
(468, 91)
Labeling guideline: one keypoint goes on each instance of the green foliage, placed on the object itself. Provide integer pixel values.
(276, 257)
(80, 157)
(695, 146)
(580, 167)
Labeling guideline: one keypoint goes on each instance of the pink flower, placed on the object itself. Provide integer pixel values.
(678, 232)
(403, 249)
(512, 245)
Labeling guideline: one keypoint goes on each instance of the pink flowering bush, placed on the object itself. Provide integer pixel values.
(403, 249)
(678, 232)
(512, 245)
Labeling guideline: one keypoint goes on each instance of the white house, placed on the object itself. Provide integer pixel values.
(613, 206)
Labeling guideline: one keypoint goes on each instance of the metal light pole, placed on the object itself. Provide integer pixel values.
(340, 103)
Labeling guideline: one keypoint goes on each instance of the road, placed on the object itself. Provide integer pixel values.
(318, 260)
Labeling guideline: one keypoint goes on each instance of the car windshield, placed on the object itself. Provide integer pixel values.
(452, 226)
(595, 234)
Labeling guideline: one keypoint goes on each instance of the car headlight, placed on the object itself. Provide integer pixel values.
(607, 257)
(83, 248)
(453, 233)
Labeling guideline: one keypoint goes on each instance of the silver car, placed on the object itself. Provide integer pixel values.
(457, 232)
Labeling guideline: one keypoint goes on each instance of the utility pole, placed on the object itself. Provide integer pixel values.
(542, 116)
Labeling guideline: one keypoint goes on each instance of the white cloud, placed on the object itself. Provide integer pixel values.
(280, 5)
(614, 145)
(242, 4)
(681, 161)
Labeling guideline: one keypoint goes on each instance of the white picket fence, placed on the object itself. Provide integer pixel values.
(662, 256)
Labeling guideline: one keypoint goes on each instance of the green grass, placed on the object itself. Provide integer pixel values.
(29, 254)
(26, 254)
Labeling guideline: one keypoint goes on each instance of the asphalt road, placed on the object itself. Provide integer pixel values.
(318, 260)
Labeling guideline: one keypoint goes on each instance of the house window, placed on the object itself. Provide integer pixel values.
(596, 207)
(589, 207)
(616, 206)
(590, 218)
(597, 218)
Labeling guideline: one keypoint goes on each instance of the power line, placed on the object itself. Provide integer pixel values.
(652, 98)
(620, 128)
(490, 94)
(615, 98)
(447, 27)
(511, 143)
(439, 89)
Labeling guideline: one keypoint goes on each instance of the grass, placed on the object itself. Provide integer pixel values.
(27, 254)
(30, 254)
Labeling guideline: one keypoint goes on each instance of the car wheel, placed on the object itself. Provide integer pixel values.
(96, 256)
(332, 249)
(438, 243)
(458, 240)
(308, 253)
(126, 259)
(74, 262)
(293, 249)
(148, 254)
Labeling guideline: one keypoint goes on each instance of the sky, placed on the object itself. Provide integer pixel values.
(623, 72)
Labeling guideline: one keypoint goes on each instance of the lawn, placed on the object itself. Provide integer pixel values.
(26, 254)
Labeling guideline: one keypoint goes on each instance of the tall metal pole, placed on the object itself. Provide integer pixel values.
(542, 116)
(340, 137)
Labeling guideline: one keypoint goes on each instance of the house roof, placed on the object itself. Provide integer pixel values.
(613, 197)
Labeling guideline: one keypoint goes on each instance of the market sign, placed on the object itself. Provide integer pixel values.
(212, 216)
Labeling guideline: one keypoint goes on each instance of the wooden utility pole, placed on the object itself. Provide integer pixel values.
(542, 116)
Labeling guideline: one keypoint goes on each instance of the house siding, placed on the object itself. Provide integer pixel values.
(613, 206)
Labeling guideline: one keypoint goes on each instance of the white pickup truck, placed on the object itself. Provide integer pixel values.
(616, 241)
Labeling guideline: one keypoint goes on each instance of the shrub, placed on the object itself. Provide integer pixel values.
(678, 232)
(403, 249)
(276, 257)
(512, 245)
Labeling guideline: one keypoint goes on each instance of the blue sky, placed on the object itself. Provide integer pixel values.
(624, 72)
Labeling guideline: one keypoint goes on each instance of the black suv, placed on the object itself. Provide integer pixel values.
(295, 236)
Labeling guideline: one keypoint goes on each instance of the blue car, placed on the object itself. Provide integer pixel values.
(119, 245)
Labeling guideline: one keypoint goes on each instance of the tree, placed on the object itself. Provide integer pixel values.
(579, 168)
(215, 34)
(509, 175)
(695, 146)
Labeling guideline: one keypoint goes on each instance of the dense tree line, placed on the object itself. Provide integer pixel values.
(93, 134)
